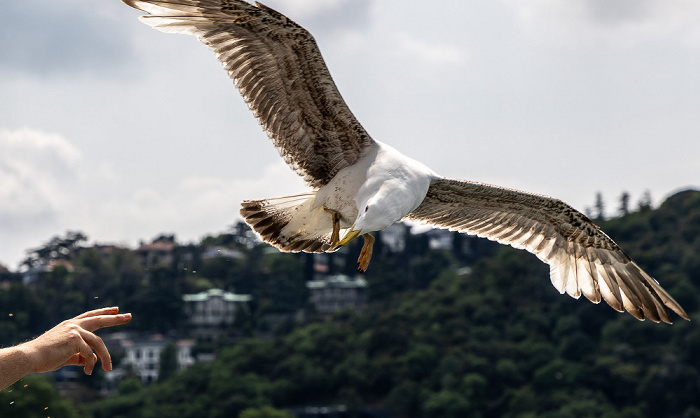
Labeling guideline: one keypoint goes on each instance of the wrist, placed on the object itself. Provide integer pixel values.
(15, 363)
(22, 356)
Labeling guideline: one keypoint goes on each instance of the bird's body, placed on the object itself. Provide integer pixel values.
(370, 195)
(360, 185)
(384, 182)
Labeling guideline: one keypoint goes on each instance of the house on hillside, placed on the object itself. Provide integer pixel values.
(159, 253)
(333, 293)
(104, 250)
(394, 237)
(142, 356)
(218, 251)
(440, 239)
(209, 311)
(31, 275)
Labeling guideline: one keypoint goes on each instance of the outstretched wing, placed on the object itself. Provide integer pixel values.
(278, 69)
(582, 258)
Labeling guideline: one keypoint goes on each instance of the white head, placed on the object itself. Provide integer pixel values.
(376, 216)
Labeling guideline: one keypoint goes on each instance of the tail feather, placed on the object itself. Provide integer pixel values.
(290, 223)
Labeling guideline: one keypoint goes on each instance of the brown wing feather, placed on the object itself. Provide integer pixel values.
(582, 258)
(279, 70)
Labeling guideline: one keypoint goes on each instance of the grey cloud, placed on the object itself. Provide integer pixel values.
(346, 14)
(350, 14)
(42, 38)
(619, 11)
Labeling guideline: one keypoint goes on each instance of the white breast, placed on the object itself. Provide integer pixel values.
(389, 182)
(395, 185)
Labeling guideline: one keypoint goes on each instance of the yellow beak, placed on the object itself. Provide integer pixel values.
(349, 236)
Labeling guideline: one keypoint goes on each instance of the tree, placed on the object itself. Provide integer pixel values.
(33, 396)
(265, 412)
(645, 202)
(168, 362)
(496, 342)
(624, 204)
(244, 236)
(57, 248)
(129, 385)
(599, 207)
(449, 404)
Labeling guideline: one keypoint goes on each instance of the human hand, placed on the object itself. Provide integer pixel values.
(71, 342)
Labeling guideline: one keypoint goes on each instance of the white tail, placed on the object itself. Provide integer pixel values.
(290, 223)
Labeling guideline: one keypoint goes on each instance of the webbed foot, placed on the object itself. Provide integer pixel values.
(366, 253)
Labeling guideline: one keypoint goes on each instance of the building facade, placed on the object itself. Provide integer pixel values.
(337, 292)
(209, 311)
(143, 356)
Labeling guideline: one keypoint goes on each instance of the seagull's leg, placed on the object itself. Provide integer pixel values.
(335, 235)
(366, 253)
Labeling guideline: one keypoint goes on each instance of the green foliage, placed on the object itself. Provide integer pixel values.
(265, 412)
(130, 385)
(499, 341)
(168, 362)
(57, 248)
(23, 314)
(34, 396)
(449, 404)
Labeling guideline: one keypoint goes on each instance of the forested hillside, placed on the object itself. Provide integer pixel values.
(435, 340)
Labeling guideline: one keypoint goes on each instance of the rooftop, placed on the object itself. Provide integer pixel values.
(338, 280)
(208, 294)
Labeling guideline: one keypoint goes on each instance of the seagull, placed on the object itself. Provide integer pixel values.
(360, 185)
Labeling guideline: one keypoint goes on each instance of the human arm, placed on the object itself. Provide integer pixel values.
(70, 343)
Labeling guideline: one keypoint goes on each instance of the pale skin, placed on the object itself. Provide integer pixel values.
(70, 343)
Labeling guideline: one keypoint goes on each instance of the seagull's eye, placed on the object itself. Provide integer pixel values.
(366, 208)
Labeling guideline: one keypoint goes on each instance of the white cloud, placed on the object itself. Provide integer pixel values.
(38, 180)
(35, 170)
(47, 188)
(308, 9)
(197, 205)
(192, 208)
(301, 9)
(434, 54)
(68, 38)
(617, 23)
(325, 16)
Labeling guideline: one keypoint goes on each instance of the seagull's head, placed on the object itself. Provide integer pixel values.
(371, 219)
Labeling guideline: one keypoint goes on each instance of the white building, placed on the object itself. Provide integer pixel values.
(440, 239)
(210, 253)
(337, 292)
(143, 356)
(208, 311)
(394, 237)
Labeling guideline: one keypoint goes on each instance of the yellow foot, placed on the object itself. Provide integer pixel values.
(366, 253)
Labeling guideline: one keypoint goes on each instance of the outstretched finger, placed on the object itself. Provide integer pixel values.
(100, 348)
(112, 310)
(96, 322)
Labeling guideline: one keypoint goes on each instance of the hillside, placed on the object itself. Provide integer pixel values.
(494, 340)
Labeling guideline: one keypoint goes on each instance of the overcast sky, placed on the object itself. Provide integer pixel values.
(112, 128)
